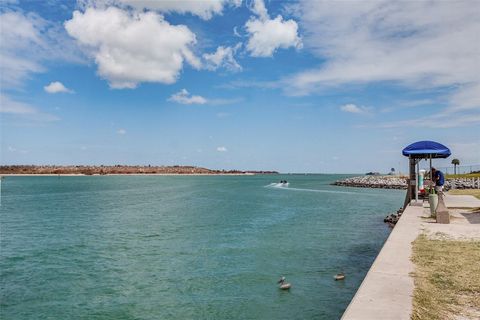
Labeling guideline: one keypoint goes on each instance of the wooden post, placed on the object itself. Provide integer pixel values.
(410, 182)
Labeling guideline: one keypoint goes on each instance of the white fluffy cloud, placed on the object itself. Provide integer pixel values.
(415, 43)
(121, 131)
(350, 108)
(222, 149)
(27, 40)
(353, 108)
(184, 97)
(19, 33)
(223, 57)
(258, 8)
(267, 35)
(57, 87)
(205, 9)
(130, 47)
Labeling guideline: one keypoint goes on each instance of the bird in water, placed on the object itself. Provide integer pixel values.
(339, 276)
(284, 285)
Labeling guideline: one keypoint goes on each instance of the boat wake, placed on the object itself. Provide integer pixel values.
(278, 185)
(286, 187)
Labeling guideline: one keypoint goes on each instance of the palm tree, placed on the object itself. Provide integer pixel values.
(455, 163)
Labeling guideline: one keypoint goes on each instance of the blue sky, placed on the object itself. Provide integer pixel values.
(305, 86)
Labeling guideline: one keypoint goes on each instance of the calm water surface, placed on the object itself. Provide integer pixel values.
(184, 247)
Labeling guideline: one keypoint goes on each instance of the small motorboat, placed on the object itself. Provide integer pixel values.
(284, 183)
(339, 276)
(284, 285)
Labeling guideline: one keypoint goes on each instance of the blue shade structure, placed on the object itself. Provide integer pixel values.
(426, 149)
(415, 152)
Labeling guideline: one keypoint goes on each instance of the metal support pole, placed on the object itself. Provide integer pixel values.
(431, 176)
(416, 181)
(408, 195)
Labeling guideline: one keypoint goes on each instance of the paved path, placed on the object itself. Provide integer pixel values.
(458, 201)
(387, 290)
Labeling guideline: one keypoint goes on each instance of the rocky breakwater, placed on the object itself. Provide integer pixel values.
(462, 183)
(384, 182)
(399, 182)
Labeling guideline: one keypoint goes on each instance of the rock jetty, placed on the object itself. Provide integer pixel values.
(398, 182)
(384, 182)
(462, 183)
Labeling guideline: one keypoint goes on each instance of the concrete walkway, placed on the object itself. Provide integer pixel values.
(458, 201)
(387, 290)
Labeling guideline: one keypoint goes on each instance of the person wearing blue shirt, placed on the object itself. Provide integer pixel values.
(438, 179)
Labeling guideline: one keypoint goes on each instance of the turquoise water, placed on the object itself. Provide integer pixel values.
(185, 247)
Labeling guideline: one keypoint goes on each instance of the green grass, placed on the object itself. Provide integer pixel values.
(447, 283)
(465, 175)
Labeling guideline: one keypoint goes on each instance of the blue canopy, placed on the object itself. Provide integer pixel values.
(426, 149)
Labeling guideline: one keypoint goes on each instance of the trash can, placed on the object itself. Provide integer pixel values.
(433, 202)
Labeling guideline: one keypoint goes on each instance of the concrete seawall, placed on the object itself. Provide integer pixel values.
(387, 290)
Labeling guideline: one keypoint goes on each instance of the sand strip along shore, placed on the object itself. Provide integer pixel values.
(387, 290)
(122, 174)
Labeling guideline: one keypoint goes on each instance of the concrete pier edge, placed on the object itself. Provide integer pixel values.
(387, 290)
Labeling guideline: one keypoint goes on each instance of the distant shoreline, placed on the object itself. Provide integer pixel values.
(123, 174)
(102, 170)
